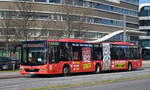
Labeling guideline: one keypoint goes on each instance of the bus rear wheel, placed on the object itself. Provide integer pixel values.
(66, 71)
(97, 69)
(130, 67)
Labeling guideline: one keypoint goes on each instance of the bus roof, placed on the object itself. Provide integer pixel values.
(76, 41)
(122, 43)
(66, 40)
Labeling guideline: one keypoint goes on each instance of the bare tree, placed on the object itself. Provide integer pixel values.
(16, 24)
(26, 19)
(74, 22)
(6, 33)
(7, 30)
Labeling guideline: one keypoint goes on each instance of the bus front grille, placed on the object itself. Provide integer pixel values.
(32, 70)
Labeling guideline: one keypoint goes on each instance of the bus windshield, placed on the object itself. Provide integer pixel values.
(34, 56)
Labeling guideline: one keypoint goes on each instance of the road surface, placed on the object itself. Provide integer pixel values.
(127, 85)
(28, 82)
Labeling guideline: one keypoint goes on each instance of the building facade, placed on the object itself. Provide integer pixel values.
(144, 17)
(86, 19)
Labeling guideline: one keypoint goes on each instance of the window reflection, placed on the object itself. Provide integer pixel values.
(54, 1)
(40, 0)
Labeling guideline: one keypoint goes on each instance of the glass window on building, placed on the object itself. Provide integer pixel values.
(44, 32)
(133, 38)
(40, 0)
(96, 5)
(55, 17)
(75, 18)
(144, 22)
(132, 25)
(31, 32)
(148, 32)
(115, 9)
(58, 17)
(96, 20)
(119, 23)
(91, 4)
(54, 1)
(70, 2)
(55, 33)
(92, 35)
(90, 20)
(26, 0)
(105, 7)
(105, 21)
(51, 16)
(88, 4)
(43, 16)
(83, 19)
(145, 11)
(145, 43)
(78, 34)
(132, 1)
(78, 2)
(36, 16)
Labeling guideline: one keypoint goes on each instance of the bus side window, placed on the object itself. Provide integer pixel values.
(113, 53)
(121, 54)
(96, 53)
(136, 52)
(65, 53)
(77, 53)
(117, 53)
(54, 54)
(139, 52)
(132, 53)
(127, 53)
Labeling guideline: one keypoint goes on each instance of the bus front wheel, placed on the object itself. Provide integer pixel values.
(66, 71)
(97, 69)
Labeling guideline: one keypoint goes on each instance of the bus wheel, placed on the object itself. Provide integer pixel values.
(66, 71)
(97, 69)
(129, 67)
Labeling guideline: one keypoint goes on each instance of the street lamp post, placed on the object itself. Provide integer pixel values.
(124, 28)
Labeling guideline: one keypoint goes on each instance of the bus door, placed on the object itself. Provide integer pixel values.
(54, 57)
(106, 56)
(86, 59)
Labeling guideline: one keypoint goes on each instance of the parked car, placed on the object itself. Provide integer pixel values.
(9, 63)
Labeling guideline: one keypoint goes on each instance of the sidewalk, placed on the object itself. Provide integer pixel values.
(146, 64)
(5, 75)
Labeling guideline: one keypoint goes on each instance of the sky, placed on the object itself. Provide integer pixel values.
(144, 1)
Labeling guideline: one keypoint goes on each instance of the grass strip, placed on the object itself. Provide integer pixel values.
(100, 82)
(10, 71)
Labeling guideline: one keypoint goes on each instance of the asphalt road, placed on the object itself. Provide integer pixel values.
(34, 82)
(127, 85)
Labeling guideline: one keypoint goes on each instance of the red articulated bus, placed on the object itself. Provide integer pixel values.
(67, 56)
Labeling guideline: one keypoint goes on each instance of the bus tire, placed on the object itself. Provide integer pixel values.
(130, 67)
(66, 71)
(97, 69)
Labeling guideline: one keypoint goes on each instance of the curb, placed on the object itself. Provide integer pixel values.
(146, 64)
(11, 76)
(8, 75)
